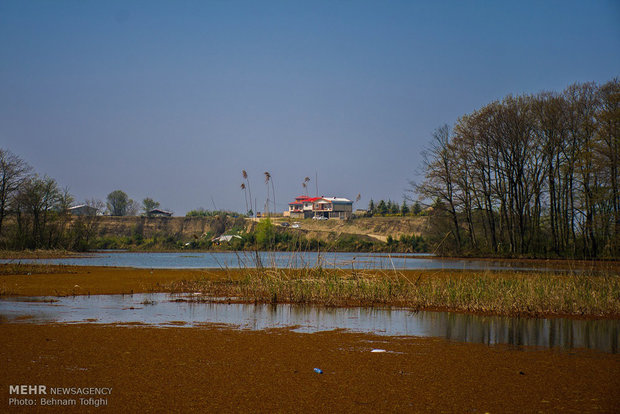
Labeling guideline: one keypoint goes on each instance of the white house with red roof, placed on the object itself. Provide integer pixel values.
(327, 207)
(302, 207)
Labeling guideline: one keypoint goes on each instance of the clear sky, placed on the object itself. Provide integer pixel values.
(172, 99)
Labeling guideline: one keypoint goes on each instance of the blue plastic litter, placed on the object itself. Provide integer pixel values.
(318, 370)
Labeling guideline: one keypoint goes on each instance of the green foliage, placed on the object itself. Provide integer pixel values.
(118, 203)
(382, 208)
(404, 209)
(389, 208)
(201, 212)
(265, 234)
(148, 204)
(417, 208)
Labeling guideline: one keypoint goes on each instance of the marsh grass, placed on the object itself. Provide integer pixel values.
(35, 254)
(501, 293)
(32, 269)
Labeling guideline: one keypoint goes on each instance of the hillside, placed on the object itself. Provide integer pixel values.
(375, 227)
(184, 228)
(188, 228)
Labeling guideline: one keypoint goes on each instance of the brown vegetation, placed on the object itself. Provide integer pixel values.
(499, 293)
(220, 370)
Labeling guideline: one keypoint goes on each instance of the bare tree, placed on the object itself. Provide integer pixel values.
(609, 153)
(37, 205)
(440, 172)
(13, 171)
(533, 174)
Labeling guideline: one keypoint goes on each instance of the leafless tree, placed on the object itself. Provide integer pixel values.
(532, 175)
(13, 172)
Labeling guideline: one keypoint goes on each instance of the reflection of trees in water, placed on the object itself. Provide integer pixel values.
(565, 333)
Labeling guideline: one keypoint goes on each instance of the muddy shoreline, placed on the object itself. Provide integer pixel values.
(214, 368)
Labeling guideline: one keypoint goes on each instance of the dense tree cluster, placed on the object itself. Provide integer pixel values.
(533, 175)
(391, 208)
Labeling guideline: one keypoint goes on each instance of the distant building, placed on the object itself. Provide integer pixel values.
(159, 213)
(302, 207)
(328, 207)
(333, 207)
(83, 210)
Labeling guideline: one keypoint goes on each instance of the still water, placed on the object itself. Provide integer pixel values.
(162, 309)
(220, 260)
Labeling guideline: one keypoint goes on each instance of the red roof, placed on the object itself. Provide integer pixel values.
(304, 199)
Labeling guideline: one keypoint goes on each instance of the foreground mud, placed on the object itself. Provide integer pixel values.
(221, 370)
(48, 280)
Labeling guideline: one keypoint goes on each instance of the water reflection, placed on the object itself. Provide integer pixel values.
(163, 310)
(231, 260)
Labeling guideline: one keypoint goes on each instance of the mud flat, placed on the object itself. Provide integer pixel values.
(41, 280)
(223, 370)
(216, 368)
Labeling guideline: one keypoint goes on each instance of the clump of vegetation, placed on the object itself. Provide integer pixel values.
(31, 269)
(267, 236)
(390, 208)
(490, 293)
(407, 244)
(201, 212)
(138, 242)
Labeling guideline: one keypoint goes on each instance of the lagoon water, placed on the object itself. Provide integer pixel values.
(245, 259)
(162, 309)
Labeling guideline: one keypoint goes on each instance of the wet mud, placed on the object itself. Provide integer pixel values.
(214, 369)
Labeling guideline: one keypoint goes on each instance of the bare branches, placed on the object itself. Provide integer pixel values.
(533, 175)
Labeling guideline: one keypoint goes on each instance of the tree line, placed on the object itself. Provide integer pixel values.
(391, 208)
(35, 210)
(530, 175)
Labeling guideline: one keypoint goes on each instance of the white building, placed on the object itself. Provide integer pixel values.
(83, 210)
(328, 207)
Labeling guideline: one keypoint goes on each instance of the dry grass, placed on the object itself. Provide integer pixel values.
(32, 269)
(503, 293)
(35, 254)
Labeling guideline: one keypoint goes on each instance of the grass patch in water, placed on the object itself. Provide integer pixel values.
(501, 293)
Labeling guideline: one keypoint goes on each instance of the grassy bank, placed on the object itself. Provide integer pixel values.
(500, 293)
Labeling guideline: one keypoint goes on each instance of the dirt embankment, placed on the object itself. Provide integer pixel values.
(184, 228)
(188, 228)
(377, 228)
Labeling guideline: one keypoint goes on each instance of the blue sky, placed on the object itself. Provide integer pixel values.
(172, 99)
